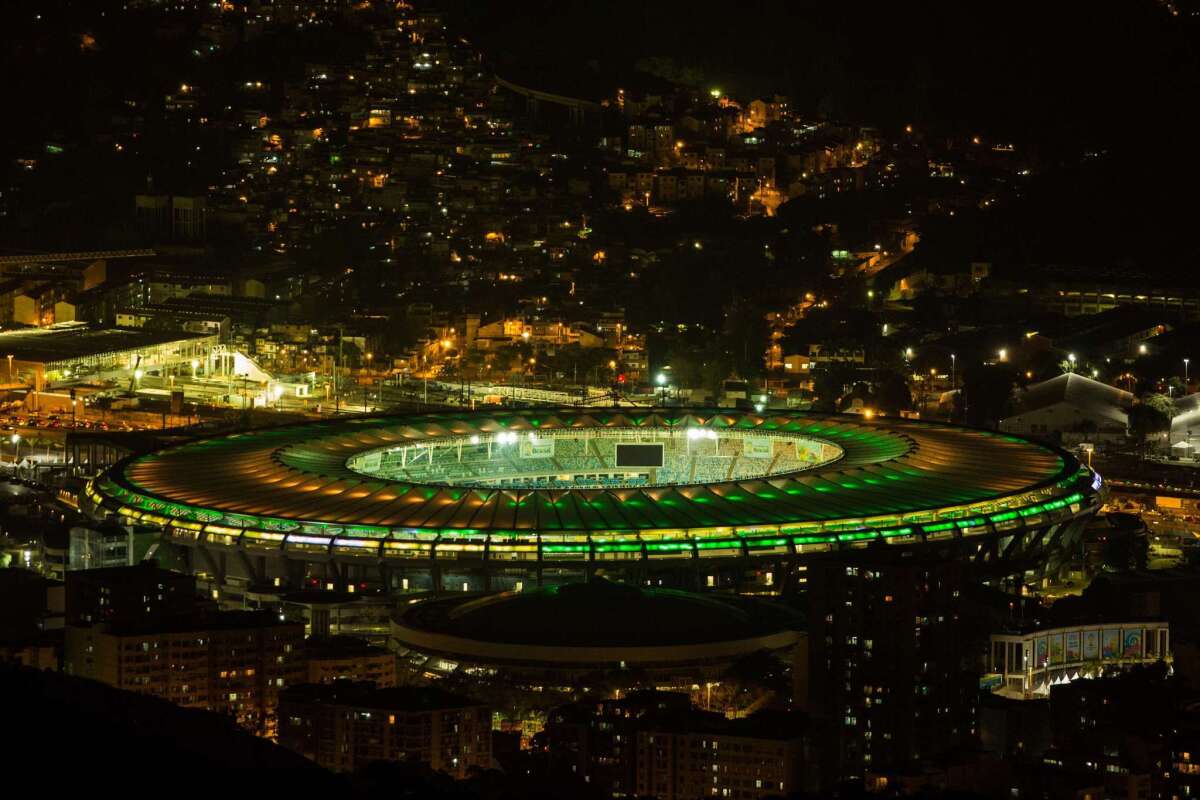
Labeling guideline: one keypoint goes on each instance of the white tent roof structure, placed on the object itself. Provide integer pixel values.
(1095, 400)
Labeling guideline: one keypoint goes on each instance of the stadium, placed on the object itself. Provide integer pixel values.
(591, 634)
(683, 498)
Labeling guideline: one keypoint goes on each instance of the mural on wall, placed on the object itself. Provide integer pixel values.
(1110, 643)
(1074, 648)
(1132, 641)
(1056, 648)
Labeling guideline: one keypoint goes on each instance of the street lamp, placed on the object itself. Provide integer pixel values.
(195, 365)
(1071, 361)
(16, 443)
(1003, 354)
(1185, 371)
(953, 373)
(661, 380)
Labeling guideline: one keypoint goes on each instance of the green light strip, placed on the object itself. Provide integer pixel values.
(721, 544)
(617, 548)
(769, 542)
(103, 489)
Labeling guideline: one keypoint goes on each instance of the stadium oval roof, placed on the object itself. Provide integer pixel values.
(600, 613)
(295, 480)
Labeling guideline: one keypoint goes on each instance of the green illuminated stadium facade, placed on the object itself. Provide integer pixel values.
(489, 500)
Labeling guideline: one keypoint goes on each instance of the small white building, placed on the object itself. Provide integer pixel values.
(1070, 402)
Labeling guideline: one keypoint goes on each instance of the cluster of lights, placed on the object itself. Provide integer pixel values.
(701, 433)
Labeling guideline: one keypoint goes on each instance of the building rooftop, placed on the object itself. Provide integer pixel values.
(203, 622)
(321, 647)
(1078, 390)
(601, 613)
(134, 574)
(672, 712)
(70, 341)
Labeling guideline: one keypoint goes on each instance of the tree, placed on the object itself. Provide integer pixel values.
(352, 354)
(1150, 415)
(891, 395)
(1164, 405)
(829, 384)
(1126, 550)
(761, 670)
(987, 393)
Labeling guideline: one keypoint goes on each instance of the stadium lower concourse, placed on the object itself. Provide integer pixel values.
(683, 498)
